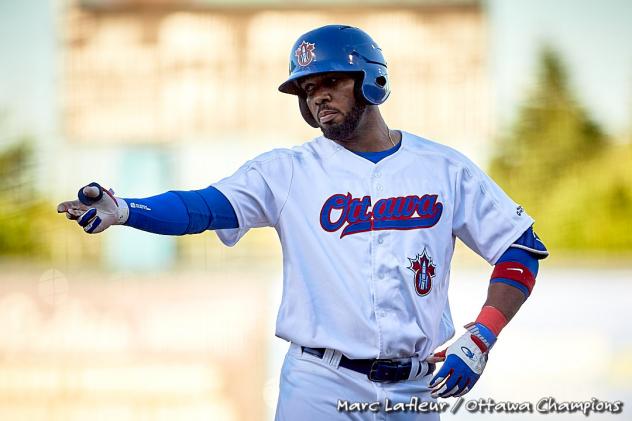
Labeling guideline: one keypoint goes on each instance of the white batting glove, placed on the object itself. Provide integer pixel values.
(463, 362)
(96, 209)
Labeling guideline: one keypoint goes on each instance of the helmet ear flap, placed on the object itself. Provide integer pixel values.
(306, 113)
(357, 90)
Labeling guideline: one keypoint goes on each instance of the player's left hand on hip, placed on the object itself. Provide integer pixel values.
(463, 362)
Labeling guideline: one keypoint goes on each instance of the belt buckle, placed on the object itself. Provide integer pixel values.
(383, 370)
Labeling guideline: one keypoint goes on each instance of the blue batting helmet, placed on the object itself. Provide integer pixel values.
(338, 48)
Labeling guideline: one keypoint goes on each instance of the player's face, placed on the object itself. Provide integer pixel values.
(331, 100)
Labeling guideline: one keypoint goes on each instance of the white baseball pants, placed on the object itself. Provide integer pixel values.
(315, 389)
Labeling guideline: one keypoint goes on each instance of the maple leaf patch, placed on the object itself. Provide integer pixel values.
(424, 271)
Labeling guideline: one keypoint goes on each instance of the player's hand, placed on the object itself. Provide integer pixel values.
(96, 209)
(463, 362)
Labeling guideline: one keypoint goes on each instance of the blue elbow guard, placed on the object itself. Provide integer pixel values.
(530, 242)
(518, 266)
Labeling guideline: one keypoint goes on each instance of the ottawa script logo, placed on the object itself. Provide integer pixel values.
(392, 213)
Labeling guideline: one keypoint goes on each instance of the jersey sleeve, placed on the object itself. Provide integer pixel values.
(257, 192)
(485, 218)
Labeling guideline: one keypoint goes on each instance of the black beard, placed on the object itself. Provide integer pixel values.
(347, 128)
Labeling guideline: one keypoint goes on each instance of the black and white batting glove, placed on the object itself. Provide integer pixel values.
(96, 209)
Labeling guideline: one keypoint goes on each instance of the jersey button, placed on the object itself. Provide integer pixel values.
(378, 187)
(380, 240)
(377, 174)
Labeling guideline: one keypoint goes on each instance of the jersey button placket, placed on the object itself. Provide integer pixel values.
(377, 239)
(376, 175)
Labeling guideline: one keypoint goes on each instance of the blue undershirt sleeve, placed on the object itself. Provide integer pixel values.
(182, 212)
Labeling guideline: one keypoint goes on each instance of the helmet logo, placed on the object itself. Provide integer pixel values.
(305, 53)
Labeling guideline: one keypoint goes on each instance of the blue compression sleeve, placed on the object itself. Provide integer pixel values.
(182, 212)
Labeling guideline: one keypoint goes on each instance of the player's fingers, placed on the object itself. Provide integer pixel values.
(452, 385)
(440, 376)
(87, 217)
(450, 392)
(439, 384)
(437, 357)
(91, 191)
(441, 353)
(70, 204)
(448, 381)
(74, 214)
(92, 226)
(437, 379)
(464, 390)
(441, 387)
(90, 194)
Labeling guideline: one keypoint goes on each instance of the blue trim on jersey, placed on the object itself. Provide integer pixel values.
(512, 283)
(521, 256)
(182, 212)
(376, 157)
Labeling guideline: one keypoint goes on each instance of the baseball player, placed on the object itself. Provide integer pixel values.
(367, 217)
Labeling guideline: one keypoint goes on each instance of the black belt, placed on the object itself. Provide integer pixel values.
(381, 370)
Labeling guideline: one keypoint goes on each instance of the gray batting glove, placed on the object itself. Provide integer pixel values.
(96, 209)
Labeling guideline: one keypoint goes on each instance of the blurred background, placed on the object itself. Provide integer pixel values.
(147, 96)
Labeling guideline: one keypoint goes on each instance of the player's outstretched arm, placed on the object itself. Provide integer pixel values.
(511, 283)
(170, 213)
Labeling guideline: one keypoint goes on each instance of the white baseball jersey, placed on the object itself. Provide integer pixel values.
(367, 247)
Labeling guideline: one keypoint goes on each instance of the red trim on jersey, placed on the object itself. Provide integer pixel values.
(492, 318)
(516, 272)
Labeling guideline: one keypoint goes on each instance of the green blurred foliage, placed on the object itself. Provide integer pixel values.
(559, 164)
(21, 211)
(591, 208)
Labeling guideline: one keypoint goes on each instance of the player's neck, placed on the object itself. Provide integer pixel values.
(372, 134)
